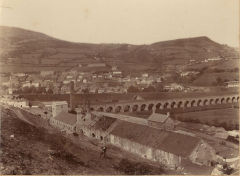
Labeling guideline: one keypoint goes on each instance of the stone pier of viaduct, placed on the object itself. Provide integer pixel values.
(154, 105)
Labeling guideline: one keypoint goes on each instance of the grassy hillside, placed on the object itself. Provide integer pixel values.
(228, 116)
(37, 50)
(209, 79)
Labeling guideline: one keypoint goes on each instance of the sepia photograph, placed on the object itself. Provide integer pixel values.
(119, 87)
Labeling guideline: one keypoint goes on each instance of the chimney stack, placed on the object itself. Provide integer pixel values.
(71, 95)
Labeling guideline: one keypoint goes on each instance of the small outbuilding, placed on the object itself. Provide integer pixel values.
(138, 97)
(161, 121)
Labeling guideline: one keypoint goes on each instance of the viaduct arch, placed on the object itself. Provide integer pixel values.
(166, 104)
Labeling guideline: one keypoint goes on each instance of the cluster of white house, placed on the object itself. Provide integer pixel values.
(231, 84)
(22, 103)
(155, 140)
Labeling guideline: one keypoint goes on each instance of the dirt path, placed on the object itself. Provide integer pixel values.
(20, 115)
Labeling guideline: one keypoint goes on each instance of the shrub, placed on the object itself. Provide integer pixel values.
(135, 168)
(72, 111)
(233, 139)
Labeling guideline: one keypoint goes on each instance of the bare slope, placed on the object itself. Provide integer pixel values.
(30, 48)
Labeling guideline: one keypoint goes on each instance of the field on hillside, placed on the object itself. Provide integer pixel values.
(29, 68)
(229, 116)
(222, 64)
(198, 66)
(229, 64)
(33, 48)
(208, 79)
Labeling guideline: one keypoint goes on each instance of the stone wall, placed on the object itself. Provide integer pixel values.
(62, 126)
(92, 133)
(165, 158)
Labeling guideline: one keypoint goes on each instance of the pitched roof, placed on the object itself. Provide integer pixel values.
(178, 144)
(67, 118)
(158, 117)
(104, 123)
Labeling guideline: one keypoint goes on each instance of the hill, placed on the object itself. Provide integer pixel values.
(22, 49)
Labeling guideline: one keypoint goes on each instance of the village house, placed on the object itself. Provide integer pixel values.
(80, 76)
(161, 121)
(35, 84)
(65, 89)
(21, 103)
(26, 84)
(231, 84)
(126, 79)
(10, 91)
(159, 80)
(117, 73)
(114, 68)
(174, 87)
(19, 74)
(66, 81)
(215, 59)
(94, 76)
(188, 73)
(145, 75)
(46, 73)
(97, 65)
(84, 81)
(69, 76)
(100, 90)
(146, 82)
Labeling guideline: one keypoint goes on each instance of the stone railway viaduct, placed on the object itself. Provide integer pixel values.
(153, 105)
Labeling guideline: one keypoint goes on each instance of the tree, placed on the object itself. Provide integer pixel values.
(224, 125)
(132, 89)
(33, 89)
(219, 81)
(30, 104)
(149, 89)
(41, 90)
(159, 88)
(26, 90)
(227, 169)
(45, 112)
(85, 91)
(49, 91)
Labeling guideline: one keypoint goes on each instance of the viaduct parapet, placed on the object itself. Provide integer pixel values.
(154, 105)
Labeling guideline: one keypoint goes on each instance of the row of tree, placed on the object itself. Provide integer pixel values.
(134, 89)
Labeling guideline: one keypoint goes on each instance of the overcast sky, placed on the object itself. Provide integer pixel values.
(126, 21)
